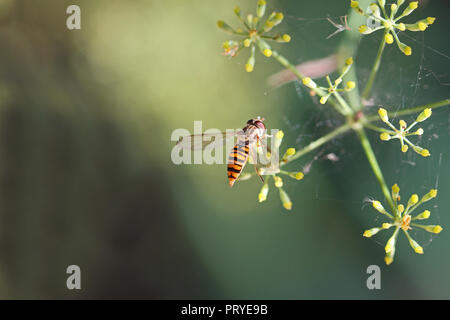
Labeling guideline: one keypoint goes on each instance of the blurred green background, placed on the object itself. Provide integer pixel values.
(86, 176)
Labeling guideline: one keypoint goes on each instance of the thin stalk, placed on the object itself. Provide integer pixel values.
(375, 166)
(434, 105)
(317, 143)
(375, 68)
(375, 128)
(343, 103)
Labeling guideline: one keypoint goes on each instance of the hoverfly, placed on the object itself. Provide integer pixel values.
(248, 139)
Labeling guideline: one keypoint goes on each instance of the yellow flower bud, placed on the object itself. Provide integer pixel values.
(278, 181)
(323, 100)
(433, 228)
(248, 67)
(395, 188)
(417, 248)
(400, 209)
(413, 5)
(437, 229)
(383, 115)
(260, 8)
(386, 225)
(402, 124)
(371, 232)
(309, 83)
(419, 131)
(224, 26)
(247, 43)
(430, 20)
(422, 26)
(286, 37)
(407, 51)
(425, 153)
(279, 134)
(354, 4)
(267, 52)
(430, 195)
(287, 203)
(351, 84)
(349, 61)
(424, 115)
(299, 175)
(377, 205)
(422, 216)
(401, 26)
(385, 136)
(389, 38)
(262, 196)
(390, 245)
(388, 260)
(363, 28)
(404, 148)
(413, 200)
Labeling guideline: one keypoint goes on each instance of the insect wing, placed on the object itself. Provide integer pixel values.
(207, 141)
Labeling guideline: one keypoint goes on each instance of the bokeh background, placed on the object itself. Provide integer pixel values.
(86, 177)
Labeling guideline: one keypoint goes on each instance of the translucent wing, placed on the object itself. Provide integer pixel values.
(208, 140)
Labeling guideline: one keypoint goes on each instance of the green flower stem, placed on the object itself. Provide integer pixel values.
(375, 166)
(375, 128)
(343, 103)
(435, 105)
(317, 143)
(375, 68)
(285, 63)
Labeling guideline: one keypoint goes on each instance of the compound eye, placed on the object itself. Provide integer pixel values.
(260, 124)
(251, 121)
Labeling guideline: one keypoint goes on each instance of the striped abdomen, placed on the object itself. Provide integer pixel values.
(236, 161)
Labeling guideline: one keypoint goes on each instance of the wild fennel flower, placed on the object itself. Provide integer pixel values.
(390, 22)
(402, 219)
(333, 86)
(404, 131)
(278, 181)
(255, 31)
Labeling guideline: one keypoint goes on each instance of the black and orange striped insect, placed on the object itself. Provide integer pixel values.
(248, 139)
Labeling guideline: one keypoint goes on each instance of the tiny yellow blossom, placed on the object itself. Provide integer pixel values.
(407, 51)
(385, 136)
(267, 52)
(354, 4)
(262, 196)
(430, 20)
(299, 175)
(383, 114)
(279, 134)
(278, 181)
(389, 38)
(424, 115)
(413, 200)
(286, 37)
(424, 215)
(351, 84)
